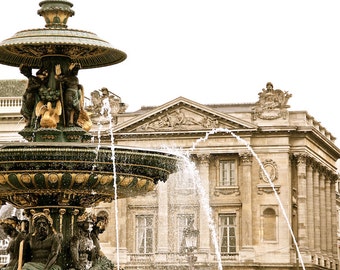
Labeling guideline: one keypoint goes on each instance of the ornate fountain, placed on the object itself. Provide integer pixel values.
(58, 173)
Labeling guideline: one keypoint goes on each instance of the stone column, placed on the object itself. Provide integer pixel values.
(163, 226)
(310, 205)
(204, 236)
(328, 217)
(316, 183)
(323, 231)
(302, 202)
(246, 199)
(122, 232)
(245, 183)
(334, 217)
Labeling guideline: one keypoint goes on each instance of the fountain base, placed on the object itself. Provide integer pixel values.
(68, 134)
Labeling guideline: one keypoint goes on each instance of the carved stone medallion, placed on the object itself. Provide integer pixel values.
(271, 171)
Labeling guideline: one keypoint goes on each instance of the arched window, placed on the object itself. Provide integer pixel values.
(269, 227)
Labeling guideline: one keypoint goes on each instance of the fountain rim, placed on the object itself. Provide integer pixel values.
(90, 146)
(80, 168)
(107, 55)
(20, 33)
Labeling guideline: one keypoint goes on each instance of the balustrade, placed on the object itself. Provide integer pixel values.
(10, 104)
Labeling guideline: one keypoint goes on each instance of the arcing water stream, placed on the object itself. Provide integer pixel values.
(205, 202)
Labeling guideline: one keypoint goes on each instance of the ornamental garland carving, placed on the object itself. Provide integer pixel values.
(272, 104)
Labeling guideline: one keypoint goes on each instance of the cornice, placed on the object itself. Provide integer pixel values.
(318, 139)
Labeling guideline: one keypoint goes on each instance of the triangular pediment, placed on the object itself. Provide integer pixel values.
(182, 115)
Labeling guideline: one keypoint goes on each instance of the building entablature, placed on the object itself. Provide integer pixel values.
(306, 159)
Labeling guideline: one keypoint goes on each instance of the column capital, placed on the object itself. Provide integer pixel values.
(332, 177)
(300, 158)
(246, 158)
(203, 158)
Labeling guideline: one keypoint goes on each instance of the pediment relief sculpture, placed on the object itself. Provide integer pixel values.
(180, 119)
(272, 104)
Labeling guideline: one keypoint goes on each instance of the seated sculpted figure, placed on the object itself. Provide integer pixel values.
(10, 228)
(102, 262)
(42, 246)
(82, 248)
(85, 247)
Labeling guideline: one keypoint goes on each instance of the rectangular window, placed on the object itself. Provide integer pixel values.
(182, 221)
(227, 231)
(227, 173)
(144, 234)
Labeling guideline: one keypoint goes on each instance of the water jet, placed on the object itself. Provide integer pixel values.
(57, 173)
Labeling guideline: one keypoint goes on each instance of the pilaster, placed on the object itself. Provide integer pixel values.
(310, 205)
(204, 236)
(302, 202)
(246, 251)
(334, 217)
(122, 234)
(328, 210)
(316, 184)
(323, 229)
(162, 233)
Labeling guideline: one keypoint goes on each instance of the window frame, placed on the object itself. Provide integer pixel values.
(232, 178)
(229, 227)
(180, 228)
(146, 229)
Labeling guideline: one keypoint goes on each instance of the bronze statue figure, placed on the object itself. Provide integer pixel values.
(42, 246)
(29, 97)
(82, 248)
(85, 247)
(72, 92)
(11, 228)
(102, 262)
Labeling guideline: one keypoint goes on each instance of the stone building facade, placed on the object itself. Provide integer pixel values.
(260, 184)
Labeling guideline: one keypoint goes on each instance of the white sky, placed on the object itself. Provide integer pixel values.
(210, 51)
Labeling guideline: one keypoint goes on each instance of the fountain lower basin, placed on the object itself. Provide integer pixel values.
(78, 175)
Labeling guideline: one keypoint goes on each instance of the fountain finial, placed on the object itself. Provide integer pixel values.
(56, 12)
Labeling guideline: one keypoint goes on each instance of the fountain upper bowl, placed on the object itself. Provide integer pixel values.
(83, 175)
